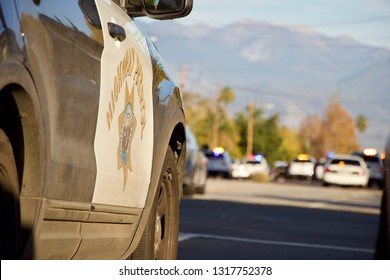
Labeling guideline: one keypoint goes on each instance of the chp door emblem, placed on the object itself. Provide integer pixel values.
(127, 125)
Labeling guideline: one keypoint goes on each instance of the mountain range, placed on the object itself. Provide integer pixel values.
(289, 70)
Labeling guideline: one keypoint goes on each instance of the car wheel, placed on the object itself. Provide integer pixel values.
(10, 209)
(160, 238)
(189, 189)
(201, 189)
(325, 184)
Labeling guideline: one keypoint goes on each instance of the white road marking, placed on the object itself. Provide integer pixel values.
(188, 236)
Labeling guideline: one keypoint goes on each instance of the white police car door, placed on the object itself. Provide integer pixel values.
(124, 135)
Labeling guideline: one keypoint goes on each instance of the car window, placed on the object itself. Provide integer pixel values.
(213, 156)
(345, 162)
(371, 159)
(254, 162)
(302, 161)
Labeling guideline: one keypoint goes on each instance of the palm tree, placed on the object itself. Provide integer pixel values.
(224, 98)
(361, 123)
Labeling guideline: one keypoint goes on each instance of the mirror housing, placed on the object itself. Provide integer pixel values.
(157, 9)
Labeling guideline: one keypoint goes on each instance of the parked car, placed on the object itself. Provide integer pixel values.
(249, 166)
(257, 164)
(301, 167)
(346, 170)
(92, 132)
(375, 165)
(219, 162)
(195, 172)
(240, 169)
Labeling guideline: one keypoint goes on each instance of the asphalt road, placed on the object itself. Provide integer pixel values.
(244, 220)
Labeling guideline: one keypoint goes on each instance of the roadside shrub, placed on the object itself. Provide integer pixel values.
(260, 177)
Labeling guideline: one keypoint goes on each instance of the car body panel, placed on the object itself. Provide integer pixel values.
(124, 131)
(195, 173)
(68, 87)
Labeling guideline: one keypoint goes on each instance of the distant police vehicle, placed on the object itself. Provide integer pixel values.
(240, 170)
(301, 167)
(219, 162)
(257, 164)
(346, 170)
(251, 165)
(375, 165)
(92, 132)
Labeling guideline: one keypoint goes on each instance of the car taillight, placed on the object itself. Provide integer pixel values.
(362, 172)
(380, 169)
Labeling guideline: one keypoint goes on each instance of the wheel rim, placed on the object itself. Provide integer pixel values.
(164, 232)
(9, 196)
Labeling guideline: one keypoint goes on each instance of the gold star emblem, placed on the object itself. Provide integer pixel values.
(127, 125)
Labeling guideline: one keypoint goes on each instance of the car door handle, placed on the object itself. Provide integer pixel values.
(116, 31)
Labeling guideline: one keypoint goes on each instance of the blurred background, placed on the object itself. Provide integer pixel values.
(313, 76)
(280, 96)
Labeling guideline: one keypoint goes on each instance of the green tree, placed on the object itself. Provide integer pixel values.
(210, 121)
(270, 139)
(225, 97)
(267, 139)
(291, 144)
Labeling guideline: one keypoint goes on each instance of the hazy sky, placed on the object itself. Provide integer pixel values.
(367, 21)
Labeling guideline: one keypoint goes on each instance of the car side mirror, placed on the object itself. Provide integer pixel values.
(157, 9)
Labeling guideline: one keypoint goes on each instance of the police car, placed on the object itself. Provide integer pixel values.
(250, 166)
(92, 132)
(375, 165)
(301, 167)
(219, 162)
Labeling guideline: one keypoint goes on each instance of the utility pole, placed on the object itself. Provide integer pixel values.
(249, 146)
(215, 129)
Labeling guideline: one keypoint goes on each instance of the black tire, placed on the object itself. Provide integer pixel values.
(189, 189)
(325, 184)
(201, 189)
(160, 238)
(10, 209)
